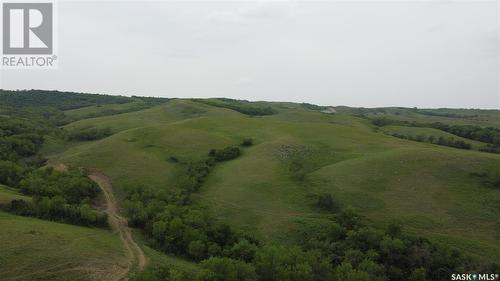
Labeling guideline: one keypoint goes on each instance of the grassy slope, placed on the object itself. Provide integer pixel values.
(426, 186)
(34, 249)
(8, 194)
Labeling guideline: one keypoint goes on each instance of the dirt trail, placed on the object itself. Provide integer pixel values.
(119, 224)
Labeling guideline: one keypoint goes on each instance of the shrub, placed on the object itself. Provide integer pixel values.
(243, 250)
(326, 202)
(247, 142)
(10, 173)
(382, 121)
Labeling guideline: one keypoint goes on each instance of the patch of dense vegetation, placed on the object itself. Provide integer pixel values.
(175, 227)
(344, 248)
(48, 107)
(432, 139)
(326, 202)
(488, 135)
(151, 100)
(194, 174)
(488, 179)
(59, 196)
(18, 139)
(225, 154)
(247, 142)
(89, 134)
(20, 142)
(313, 106)
(56, 99)
(241, 106)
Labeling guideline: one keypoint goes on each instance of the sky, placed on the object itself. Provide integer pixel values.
(427, 54)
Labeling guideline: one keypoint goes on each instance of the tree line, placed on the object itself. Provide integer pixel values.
(489, 135)
(56, 99)
(451, 142)
(88, 134)
(345, 248)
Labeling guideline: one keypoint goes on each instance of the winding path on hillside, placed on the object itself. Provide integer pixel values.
(119, 224)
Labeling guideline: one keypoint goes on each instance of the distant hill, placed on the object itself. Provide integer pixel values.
(49, 105)
(56, 99)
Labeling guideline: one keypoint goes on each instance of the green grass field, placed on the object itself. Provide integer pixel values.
(34, 249)
(427, 187)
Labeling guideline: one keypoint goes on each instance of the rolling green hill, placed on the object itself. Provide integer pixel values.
(427, 187)
(270, 192)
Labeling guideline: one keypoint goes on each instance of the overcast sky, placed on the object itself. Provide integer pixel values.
(357, 53)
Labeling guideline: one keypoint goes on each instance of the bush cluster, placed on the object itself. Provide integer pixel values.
(247, 142)
(59, 196)
(325, 202)
(57, 209)
(89, 134)
(181, 229)
(18, 139)
(225, 154)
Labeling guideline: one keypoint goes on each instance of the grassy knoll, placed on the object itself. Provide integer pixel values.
(427, 187)
(34, 249)
(430, 190)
